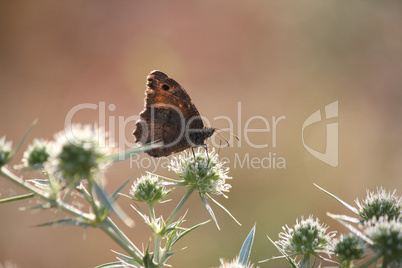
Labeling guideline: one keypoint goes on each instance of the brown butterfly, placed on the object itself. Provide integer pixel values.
(169, 116)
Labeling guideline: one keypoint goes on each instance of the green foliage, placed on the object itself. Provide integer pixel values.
(78, 166)
(76, 162)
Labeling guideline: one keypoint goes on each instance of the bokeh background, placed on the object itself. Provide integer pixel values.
(275, 58)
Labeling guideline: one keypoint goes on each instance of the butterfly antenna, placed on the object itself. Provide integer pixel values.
(221, 130)
(220, 136)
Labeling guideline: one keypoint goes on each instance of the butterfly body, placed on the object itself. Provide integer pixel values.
(169, 116)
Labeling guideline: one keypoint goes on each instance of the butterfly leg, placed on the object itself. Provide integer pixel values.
(192, 149)
(206, 150)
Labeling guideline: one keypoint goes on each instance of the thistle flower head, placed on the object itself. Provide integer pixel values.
(380, 204)
(349, 247)
(206, 175)
(5, 151)
(387, 239)
(234, 264)
(77, 153)
(148, 189)
(36, 154)
(307, 237)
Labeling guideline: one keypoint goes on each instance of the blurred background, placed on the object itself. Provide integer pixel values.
(237, 59)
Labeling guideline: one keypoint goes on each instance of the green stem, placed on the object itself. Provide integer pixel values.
(110, 228)
(10, 176)
(92, 199)
(179, 205)
(384, 263)
(155, 227)
(107, 225)
(21, 197)
(158, 242)
(84, 192)
(152, 212)
(306, 261)
(60, 204)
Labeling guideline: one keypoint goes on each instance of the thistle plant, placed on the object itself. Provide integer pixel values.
(148, 189)
(379, 204)
(204, 174)
(386, 237)
(76, 154)
(307, 238)
(234, 264)
(5, 151)
(378, 234)
(76, 161)
(348, 248)
(37, 154)
(242, 260)
(376, 238)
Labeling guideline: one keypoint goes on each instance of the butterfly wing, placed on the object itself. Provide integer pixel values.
(165, 93)
(168, 111)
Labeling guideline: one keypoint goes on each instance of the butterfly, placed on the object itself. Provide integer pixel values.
(170, 117)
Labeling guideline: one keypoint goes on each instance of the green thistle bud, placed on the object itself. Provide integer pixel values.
(36, 154)
(308, 237)
(380, 204)
(387, 239)
(77, 154)
(349, 247)
(5, 151)
(148, 189)
(199, 172)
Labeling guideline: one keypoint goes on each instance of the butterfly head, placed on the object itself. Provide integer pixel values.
(198, 137)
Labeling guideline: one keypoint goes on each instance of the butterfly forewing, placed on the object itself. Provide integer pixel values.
(169, 116)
